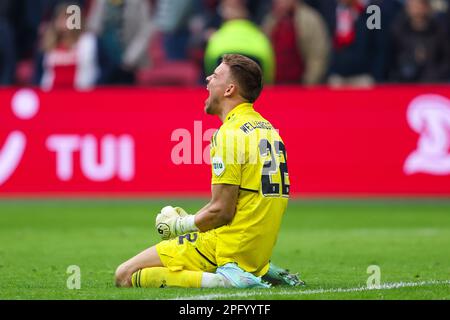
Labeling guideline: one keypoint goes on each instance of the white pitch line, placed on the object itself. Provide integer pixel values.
(386, 286)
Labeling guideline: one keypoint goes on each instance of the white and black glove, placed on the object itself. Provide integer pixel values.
(174, 221)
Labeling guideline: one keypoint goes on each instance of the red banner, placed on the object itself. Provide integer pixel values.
(390, 141)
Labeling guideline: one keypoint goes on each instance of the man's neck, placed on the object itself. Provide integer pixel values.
(228, 106)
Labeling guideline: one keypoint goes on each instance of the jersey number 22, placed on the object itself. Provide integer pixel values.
(270, 168)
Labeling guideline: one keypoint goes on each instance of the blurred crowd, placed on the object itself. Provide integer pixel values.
(179, 42)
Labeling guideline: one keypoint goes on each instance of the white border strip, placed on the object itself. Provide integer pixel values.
(246, 294)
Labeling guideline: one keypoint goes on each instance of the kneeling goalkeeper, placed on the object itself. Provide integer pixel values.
(229, 242)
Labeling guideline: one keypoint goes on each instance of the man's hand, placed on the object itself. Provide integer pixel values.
(172, 222)
(181, 212)
(165, 222)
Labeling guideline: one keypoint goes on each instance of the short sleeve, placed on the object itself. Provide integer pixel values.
(227, 157)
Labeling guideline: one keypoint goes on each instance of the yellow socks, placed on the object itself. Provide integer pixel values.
(160, 277)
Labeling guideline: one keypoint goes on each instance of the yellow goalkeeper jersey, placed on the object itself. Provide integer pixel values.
(247, 151)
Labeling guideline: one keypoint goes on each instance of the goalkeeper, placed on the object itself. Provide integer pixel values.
(229, 242)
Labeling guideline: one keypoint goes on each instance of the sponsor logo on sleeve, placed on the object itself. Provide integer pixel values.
(218, 166)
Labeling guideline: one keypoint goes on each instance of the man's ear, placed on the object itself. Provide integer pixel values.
(230, 90)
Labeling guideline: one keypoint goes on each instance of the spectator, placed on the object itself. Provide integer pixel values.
(69, 56)
(327, 9)
(442, 9)
(239, 35)
(380, 44)
(300, 40)
(124, 28)
(258, 9)
(7, 45)
(421, 49)
(351, 55)
(172, 18)
(30, 21)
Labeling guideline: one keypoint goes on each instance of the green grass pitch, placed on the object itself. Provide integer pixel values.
(331, 244)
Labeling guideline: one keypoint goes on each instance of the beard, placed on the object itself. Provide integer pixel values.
(211, 105)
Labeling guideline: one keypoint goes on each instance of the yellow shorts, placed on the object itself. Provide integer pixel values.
(193, 251)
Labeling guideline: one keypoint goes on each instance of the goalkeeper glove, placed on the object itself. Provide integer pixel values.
(172, 222)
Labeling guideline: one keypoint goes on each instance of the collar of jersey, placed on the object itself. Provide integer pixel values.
(240, 108)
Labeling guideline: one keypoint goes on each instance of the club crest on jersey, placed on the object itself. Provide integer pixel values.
(218, 166)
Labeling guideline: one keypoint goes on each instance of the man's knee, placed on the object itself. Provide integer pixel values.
(123, 275)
